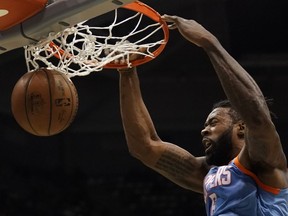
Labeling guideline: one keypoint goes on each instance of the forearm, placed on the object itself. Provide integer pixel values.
(239, 87)
(137, 123)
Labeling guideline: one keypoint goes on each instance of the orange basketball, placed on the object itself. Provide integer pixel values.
(44, 102)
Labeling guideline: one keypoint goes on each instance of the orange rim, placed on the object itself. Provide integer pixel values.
(155, 16)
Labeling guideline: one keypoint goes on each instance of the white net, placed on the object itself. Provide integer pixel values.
(82, 49)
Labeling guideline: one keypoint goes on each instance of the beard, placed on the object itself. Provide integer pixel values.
(221, 150)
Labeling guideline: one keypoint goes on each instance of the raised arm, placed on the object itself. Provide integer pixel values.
(169, 160)
(263, 153)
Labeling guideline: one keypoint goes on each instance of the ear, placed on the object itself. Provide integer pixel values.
(241, 129)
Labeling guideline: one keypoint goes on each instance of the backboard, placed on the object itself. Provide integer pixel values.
(56, 16)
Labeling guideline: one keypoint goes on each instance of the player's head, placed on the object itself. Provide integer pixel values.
(223, 134)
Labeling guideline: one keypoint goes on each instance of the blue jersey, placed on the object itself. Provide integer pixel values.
(233, 190)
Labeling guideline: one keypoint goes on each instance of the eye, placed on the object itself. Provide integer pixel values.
(213, 122)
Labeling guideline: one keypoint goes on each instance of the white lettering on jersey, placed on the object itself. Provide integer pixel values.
(221, 177)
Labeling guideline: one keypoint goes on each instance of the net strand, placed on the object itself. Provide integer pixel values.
(80, 51)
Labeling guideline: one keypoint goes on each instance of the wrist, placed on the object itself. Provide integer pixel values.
(125, 70)
(210, 43)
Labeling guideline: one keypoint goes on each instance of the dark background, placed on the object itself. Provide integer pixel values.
(86, 170)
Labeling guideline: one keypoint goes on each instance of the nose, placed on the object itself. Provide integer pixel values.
(204, 132)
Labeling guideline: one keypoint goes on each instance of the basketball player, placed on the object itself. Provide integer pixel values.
(244, 170)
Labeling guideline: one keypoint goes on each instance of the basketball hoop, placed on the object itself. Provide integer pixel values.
(86, 48)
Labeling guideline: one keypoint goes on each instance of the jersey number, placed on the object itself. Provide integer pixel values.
(213, 198)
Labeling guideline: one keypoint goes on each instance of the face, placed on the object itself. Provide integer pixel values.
(217, 137)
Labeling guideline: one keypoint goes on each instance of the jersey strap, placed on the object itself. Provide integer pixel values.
(256, 179)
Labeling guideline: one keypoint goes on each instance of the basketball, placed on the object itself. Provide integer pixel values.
(44, 102)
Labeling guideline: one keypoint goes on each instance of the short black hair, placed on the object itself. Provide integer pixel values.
(226, 104)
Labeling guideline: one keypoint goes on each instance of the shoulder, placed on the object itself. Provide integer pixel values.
(269, 176)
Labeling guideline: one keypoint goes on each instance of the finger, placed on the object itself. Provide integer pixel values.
(172, 26)
(135, 56)
(168, 18)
